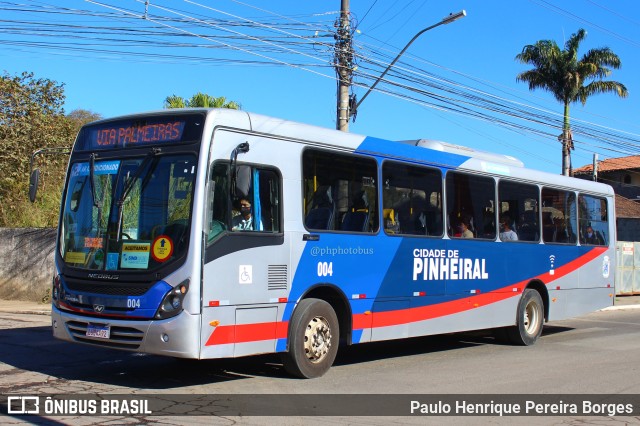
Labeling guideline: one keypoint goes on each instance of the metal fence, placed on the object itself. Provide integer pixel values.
(627, 279)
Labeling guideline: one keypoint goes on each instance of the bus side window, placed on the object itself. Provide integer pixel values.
(593, 220)
(518, 204)
(259, 189)
(340, 192)
(412, 199)
(559, 216)
(470, 201)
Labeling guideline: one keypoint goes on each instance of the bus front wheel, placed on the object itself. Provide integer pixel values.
(529, 319)
(313, 339)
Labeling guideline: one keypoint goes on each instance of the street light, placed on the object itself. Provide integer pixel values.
(446, 20)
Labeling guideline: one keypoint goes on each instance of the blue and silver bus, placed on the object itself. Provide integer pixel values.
(214, 233)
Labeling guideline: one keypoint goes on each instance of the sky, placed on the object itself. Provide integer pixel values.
(455, 83)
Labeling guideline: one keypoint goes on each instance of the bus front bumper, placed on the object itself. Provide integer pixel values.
(176, 337)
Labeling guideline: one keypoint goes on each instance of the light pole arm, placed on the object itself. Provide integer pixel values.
(447, 20)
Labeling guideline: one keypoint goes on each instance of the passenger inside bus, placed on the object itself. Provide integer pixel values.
(506, 233)
(244, 220)
(591, 237)
(463, 229)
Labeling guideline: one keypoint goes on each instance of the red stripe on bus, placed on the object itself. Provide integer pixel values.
(409, 315)
(243, 333)
(573, 265)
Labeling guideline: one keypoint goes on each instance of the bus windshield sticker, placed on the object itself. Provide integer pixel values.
(93, 242)
(112, 261)
(75, 257)
(101, 168)
(162, 248)
(135, 255)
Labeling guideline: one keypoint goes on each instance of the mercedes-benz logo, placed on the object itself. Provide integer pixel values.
(98, 308)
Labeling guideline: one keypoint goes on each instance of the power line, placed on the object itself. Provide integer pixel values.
(282, 41)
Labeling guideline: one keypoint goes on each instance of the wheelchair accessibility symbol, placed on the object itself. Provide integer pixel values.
(245, 274)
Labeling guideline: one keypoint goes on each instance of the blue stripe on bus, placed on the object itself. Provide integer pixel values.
(371, 145)
(143, 306)
(384, 268)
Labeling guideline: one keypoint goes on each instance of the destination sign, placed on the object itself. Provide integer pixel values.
(140, 131)
(121, 136)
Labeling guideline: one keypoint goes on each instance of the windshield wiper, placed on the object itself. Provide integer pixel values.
(92, 183)
(128, 186)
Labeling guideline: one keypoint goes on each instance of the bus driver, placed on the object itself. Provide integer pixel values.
(244, 221)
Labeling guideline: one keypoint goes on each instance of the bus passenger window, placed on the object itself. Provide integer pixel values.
(518, 211)
(340, 192)
(593, 220)
(470, 206)
(412, 199)
(558, 216)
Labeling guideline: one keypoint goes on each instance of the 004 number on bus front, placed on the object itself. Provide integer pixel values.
(133, 303)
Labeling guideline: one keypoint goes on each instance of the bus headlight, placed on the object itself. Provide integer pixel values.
(55, 290)
(171, 304)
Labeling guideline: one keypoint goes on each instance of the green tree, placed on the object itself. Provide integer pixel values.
(565, 76)
(200, 100)
(31, 117)
(79, 117)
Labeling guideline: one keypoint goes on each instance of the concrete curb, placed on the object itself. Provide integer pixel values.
(620, 307)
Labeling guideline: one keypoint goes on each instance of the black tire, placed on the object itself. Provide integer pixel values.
(529, 319)
(313, 339)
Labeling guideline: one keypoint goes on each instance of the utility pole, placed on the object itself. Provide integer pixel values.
(566, 139)
(595, 167)
(343, 60)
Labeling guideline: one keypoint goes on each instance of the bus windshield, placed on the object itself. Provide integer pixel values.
(131, 214)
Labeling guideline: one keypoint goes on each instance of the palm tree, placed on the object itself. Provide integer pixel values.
(199, 100)
(174, 101)
(561, 73)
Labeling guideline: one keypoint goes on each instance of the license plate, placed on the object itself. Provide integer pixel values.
(101, 331)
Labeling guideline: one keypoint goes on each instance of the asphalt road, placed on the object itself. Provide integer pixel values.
(595, 354)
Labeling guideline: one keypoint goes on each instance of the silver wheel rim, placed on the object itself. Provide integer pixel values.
(531, 318)
(317, 339)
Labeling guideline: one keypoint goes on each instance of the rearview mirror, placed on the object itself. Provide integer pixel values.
(242, 181)
(34, 179)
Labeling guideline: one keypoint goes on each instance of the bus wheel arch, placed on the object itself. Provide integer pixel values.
(340, 304)
(544, 294)
(530, 316)
(319, 322)
(313, 339)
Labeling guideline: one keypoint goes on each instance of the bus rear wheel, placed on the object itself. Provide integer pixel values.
(529, 319)
(313, 339)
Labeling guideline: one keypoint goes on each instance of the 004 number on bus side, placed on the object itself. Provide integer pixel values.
(325, 269)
